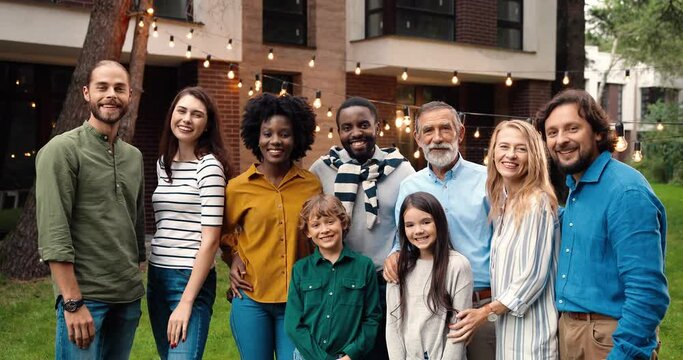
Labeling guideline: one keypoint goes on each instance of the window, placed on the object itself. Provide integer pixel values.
(510, 24)
(652, 95)
(433, 19)
(272, 83)
(611, 101)
(174, 9)
(284, 22)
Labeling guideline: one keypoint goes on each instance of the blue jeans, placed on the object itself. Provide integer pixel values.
(259, 329)
(115, 326)
(164, 289)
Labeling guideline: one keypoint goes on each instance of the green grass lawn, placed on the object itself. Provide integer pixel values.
(27, 318)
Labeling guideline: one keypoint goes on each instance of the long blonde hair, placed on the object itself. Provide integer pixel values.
(536, 181)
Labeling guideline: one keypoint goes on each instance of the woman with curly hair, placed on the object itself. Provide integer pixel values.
(261, 234)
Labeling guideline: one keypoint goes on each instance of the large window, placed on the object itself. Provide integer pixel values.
(510, 24)
(174, 9)
(611, 101)
(434, 19)
(284, 22)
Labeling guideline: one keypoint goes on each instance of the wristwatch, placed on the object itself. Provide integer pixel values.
(492, 316)
(72, 305)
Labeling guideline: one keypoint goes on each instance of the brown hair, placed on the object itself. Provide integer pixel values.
(589, 110)
(323, 205)
(210, 142)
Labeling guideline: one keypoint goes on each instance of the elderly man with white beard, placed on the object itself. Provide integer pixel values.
(460, 187)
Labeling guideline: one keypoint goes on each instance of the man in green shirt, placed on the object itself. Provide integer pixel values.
(90, 214)
(333, 307)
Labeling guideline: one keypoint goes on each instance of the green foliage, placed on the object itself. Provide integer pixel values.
(647, 31)
(663, 150)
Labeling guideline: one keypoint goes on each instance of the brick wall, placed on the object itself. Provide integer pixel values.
(476, 22)
(382, 88)
(528, 96)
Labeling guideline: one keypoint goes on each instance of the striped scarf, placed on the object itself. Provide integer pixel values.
(351, 173)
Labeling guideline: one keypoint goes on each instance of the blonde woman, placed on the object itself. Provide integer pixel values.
(523, 212)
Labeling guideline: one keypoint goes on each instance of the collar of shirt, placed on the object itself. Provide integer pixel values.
(91, 130)
(293, 172)
(450, 174)
(592, 174)
(318, 258)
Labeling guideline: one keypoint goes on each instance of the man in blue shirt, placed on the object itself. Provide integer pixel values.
(460, 186)
(611, 290)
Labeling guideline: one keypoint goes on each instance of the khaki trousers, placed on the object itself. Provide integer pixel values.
(587, 339)
(483, 343)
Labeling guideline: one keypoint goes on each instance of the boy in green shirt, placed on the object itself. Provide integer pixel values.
(333, 303)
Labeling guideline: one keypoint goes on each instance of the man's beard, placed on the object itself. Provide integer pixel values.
(114, 118)
(581, 164)
(442, 159)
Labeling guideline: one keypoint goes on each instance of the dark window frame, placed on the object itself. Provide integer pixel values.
(390, 10)
(188, 16)
(292, 17)
(506, 24)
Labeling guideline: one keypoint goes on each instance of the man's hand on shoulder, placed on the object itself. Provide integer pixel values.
(390, 272)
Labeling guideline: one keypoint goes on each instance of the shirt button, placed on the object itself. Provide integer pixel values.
(561, 301)
(279, 206)
(573, 199)
(331, 293)
(324, 341)
(564, 276)
(353, 285)
(566, 250)
(328, 316)
(105, 137)
(310, 286)
(118, 185)
(571, 224)
(332, 269)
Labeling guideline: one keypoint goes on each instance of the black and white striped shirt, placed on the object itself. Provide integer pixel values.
(194, 198)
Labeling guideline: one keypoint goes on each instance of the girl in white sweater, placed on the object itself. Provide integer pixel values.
(435, 282)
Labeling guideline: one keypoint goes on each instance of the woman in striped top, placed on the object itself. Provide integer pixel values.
(188, 209)
(523, 248)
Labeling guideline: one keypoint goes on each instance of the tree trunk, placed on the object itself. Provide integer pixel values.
(138, 56)
(104, 40)
(570, 54)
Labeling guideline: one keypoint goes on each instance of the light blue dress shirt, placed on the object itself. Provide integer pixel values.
(612, 254)
(462, 193)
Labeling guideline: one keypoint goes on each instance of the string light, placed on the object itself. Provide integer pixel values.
(476, 133)
(660, 126)
(357, 71)
(386, 126)
(17, 82)
(381, 133)
(271, 56)
(150, 11)
(141, 23)
(155, 33)
(207, 62)
(257, 83)
(33, 104)
(329, 112)
(311, 63)
(231, 74)
(317, 102)
(637, 154)
(565, 79)
(12, 156)
(239, 83)
(486, 158)
(416, 154)
(622, 144)
(508, 80)
(229, 44)
(454, 79)
(190, 34)
(399, 119)
(406, 116)
(188, 53)
(171, 43)
(404, 76)
(317, 128)
(627, 74)
(251, 91)
(283, 89)
(154, 22)
(329, 134)
(407, 129)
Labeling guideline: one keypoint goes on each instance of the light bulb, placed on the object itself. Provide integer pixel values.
(231, 73)
(207, 62)
(317, 128)
(283, 92)
(171, 43)
(251, 91)
(407, 129)
(416, 154)
(150, 11)
(406, 119)
(189, 34)
(155, 33)
(311, 63)
(387, 127)
(229, 44)
(257, 83)
(154, 22)
(33, 104)
(454, 79)
(637, 154)
(660, 126)
(271, 56)
(317, 103)
(486, 159)
(239, 84)
(476, 133)
(565, 79)
(188, 53)
(357, 71)
(508, 80)
(141, 23)
(622, 145)
(404, 76)
(329, 112)
(329, 134)
(381, 133)
(398, 122)
(627, 74)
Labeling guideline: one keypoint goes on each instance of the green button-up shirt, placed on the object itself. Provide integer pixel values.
(90, 212)
(333, 309)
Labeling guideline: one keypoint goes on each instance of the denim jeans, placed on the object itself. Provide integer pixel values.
(164, 289)
(115, 326)
(259, 329)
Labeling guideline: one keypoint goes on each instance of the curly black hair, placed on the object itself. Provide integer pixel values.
(265, 106)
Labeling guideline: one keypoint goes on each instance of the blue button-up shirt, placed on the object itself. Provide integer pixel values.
(462, 194)
(612, 254)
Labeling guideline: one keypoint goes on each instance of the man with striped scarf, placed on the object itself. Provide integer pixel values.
(366, 179)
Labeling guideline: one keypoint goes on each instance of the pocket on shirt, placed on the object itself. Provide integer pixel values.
(312, 291)
(353, 291)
